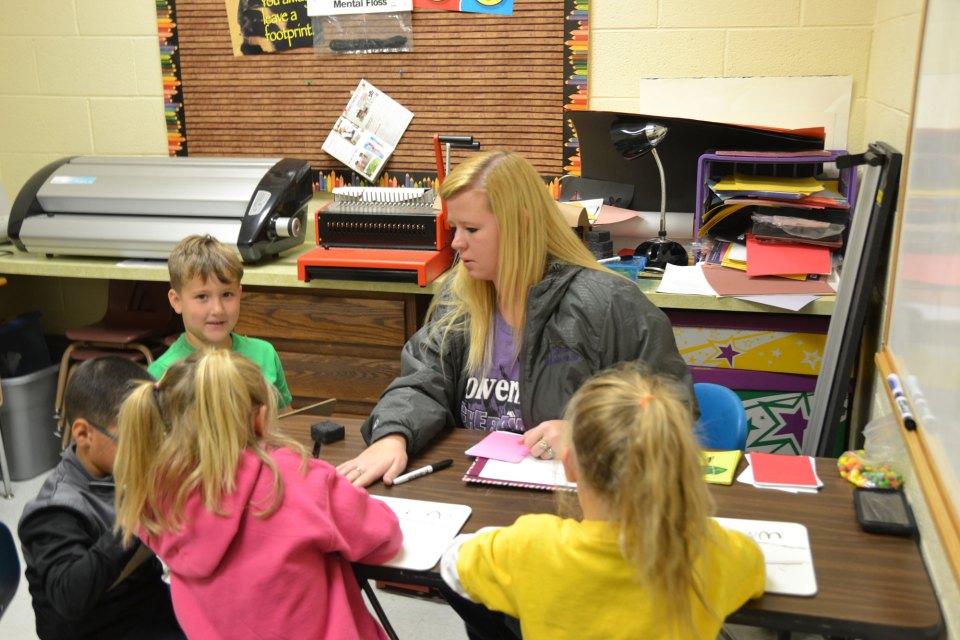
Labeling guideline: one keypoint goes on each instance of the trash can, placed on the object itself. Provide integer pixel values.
(28, 423)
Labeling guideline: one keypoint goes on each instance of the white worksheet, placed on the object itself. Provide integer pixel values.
(428, 528)
(786, 552)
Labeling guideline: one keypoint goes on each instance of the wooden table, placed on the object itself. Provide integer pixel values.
(870, 586)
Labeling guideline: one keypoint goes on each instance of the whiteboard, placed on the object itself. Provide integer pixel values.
(923, 330)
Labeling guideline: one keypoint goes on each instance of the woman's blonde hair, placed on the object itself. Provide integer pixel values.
(532, 232)
(186, 433)
(634, 442)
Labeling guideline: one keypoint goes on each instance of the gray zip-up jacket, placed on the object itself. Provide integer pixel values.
(579, 322)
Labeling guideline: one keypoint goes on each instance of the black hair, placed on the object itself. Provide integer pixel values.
(99, 386)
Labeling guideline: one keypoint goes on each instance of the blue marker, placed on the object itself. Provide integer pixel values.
(901, 401)
(894, 381)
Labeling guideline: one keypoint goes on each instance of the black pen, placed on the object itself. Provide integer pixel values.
(422, 471)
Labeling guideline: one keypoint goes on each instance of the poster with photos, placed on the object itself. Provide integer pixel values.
(367, 131)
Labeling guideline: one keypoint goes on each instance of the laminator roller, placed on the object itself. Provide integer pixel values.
(141, 207)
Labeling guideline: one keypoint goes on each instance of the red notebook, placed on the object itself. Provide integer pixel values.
(774, 470)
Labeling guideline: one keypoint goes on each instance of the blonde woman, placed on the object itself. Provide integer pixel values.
(258, 537)
(524, 317)
(645, 560)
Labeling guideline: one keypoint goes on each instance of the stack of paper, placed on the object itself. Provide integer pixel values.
(502, 460)
(795, 474)
(773, 237)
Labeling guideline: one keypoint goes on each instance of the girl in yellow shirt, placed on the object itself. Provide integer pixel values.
(644, 561)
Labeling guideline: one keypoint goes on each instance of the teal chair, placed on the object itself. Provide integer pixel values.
(723, 420)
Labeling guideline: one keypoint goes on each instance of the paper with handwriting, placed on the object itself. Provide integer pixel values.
(786, 552)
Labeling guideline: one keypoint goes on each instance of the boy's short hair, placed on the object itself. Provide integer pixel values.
(99, 386)
(203, 256)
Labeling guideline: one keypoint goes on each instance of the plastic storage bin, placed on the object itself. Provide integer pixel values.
(28, 424)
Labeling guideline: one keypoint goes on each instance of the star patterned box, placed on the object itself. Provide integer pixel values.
(754, 342)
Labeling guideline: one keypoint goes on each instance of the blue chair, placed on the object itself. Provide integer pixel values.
(9, 568)
(723, 420)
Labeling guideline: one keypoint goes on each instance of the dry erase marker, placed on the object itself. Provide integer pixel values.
(894, 381)
(901, 401)
(422, 471)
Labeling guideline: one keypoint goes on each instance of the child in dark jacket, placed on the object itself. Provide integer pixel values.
(84, 582)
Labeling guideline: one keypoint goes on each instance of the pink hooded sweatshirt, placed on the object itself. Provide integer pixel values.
(288, 575)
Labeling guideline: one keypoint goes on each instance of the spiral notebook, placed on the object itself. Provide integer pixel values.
(529, 473)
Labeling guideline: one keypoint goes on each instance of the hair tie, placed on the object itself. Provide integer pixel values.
(644, 400)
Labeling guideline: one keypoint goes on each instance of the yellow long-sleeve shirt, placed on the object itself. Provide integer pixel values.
(567, 579)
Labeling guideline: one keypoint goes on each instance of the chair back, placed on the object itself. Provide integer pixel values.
(9, 568)
(723, 420)
(135, 311)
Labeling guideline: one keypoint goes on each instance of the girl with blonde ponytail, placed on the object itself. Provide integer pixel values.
(645, 561)
(239, 513)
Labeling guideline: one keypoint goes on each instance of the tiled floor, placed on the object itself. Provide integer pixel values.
(411, 617)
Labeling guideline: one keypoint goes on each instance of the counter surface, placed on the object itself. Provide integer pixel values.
(282, 272)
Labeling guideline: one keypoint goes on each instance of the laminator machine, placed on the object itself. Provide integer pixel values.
(141, 207)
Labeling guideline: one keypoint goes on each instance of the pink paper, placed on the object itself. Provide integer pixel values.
(500, 445)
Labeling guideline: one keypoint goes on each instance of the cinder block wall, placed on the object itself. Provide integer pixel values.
(77, 77)
(874, 41)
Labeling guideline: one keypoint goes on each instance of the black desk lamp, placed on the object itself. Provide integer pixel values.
(633, 141)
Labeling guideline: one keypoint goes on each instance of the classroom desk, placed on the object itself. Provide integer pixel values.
(870, 586)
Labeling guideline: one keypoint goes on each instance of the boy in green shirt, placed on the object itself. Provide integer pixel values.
(205, 291)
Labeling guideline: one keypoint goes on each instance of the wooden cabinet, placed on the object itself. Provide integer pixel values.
(340, 344)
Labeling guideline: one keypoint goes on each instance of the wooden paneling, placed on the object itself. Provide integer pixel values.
(498, 78)
(333, 345)
(318, 319)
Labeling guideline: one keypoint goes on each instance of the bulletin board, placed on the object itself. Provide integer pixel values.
(922, 336)
(506, 80)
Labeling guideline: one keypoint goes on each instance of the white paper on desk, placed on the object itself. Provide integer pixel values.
(793, 302)
(786, 102)
(688, 280)
(786, 553)
(428, 528)
(529, 470)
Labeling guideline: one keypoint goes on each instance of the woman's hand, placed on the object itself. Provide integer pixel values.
(546, 439)
(386, 458)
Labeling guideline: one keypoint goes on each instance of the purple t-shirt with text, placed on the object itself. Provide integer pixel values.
(492, 403)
